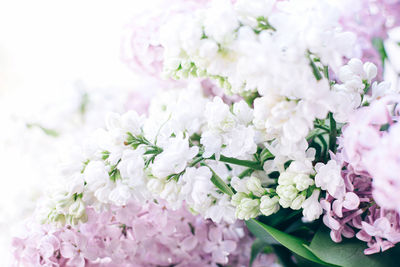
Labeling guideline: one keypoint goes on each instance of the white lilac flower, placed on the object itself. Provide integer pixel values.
(218, 115)
(174, 158)
(311, 207)
(212, 143)
(243, 112)
(171, 193)
(197, 188)
(239, 142)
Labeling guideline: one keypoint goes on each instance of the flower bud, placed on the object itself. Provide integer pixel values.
(286, 178)
(356, 66)
(269, 205)
(297, 202)
(370, 70)
(287, 192)
(253, 184)
(302, 181)
(237, 198)
(248, 208)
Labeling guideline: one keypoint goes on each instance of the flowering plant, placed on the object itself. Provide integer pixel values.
(302, 141)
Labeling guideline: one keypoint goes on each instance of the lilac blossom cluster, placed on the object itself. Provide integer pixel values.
(363, 199)
(137, 235)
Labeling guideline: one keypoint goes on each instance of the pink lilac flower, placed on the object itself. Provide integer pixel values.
(135, 235)
(368, 154)
(219, 248)
(370, 19)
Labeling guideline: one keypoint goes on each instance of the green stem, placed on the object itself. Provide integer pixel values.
(246, 173)
(324, 145)
(245, 163)
(332, 133)
(196, 161)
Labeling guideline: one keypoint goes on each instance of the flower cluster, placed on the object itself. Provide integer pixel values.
(137, 235)
(363, 181)
(220, 42)
(203, 152)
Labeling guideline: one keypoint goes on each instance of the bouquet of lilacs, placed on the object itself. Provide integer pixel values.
(269, 121)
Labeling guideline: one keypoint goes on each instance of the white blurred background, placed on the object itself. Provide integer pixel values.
(50, 52)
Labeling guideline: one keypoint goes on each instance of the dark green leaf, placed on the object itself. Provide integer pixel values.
(245, 163)
(315, 70)
(220, 184)
(293, 243)
(350, 252)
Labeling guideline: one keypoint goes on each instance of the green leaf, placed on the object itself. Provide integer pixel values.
(350, 252)
(256, 248)
(293, 243)
(220, 184)
(245, 163)
(249, 97)
(266, 155)
(315, 70)
(332, 133)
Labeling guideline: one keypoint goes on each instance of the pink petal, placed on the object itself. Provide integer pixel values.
(369, 229)
(46, 250)
(67, 250)
(337, 208)
(77, 261)
(336, 236)
(382, 224)
(219, 257)
(228, 246)
(347, 231)
(189, 243)
(215, 234)
(371, 250)
(386, 245)
(363, 236)
(331, 222)
(351, 201)
(209, 247)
